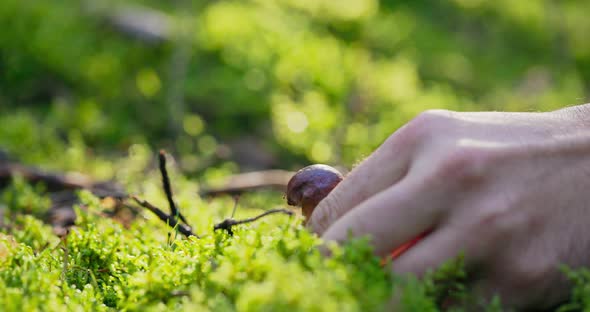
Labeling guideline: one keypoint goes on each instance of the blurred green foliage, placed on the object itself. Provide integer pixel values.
(324, 80)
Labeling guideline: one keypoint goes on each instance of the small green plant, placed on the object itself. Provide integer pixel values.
(580, 297)
(22, 197)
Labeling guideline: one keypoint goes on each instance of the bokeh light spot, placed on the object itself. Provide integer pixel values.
(297, 122)
(148, 82)
(193, 124)
(321, 151)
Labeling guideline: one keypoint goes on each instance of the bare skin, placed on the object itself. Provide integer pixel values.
(510, 190)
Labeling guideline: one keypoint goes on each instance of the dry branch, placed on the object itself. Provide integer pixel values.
(167, 188)
(61, 189)
(56, 182)
(139, 22)
(168, 219)
(251, 181)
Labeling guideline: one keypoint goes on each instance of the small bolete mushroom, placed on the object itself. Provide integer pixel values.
(310, 185)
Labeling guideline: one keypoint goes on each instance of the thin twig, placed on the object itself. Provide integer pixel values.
(236, 200)
(64, 241)
(179, 293)
(168, 189)
(266, 213)
(251, 182)
(170, 220)
(227, 224)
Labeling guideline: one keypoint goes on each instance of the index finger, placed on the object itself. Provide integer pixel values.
(393, 217)
(385, 167)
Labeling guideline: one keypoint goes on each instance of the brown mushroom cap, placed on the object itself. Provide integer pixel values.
(310, 185)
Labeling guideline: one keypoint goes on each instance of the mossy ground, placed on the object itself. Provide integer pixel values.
(272, 264)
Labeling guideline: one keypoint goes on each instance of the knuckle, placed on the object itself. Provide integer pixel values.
(490, 233)
(433, 118)
(490, 222)
(432, 115)
(503, 214)
(498, 223)
(421, 127)
(465, 166)
(495, 222)
(530, 272)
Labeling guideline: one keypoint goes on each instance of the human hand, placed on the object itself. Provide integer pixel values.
(510, 190)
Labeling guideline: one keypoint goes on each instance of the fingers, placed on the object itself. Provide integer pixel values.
(431, 252)
(392, 217)
(385, 167)
(441, 246)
